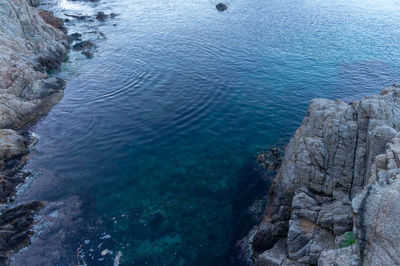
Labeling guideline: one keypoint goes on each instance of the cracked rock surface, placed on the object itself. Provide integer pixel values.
(31, 43)
(29, 46)
(338, 178)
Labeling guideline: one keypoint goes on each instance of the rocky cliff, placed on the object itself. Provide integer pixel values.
(31, 43)
(336, 197)
(29, 47)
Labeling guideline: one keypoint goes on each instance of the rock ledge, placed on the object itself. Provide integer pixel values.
(335, 199)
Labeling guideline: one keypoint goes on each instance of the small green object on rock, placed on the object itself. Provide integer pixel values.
(349, 239)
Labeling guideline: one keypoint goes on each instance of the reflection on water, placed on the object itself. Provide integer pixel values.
(160, 129)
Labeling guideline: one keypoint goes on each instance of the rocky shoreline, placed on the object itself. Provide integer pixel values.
(333, 201)
(335, 198)
(35, 43)
(32, 42)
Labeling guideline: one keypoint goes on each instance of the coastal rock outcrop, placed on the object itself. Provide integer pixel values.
(32, 42)
(29, 47)
(335, 198)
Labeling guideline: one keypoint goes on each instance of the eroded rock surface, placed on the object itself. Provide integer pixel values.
(29, 46)
(338, 178)
(31, 43)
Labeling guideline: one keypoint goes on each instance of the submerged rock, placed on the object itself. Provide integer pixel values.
(101, 16)
(75, 37)
(221, 7)
(83, 45)
(80, 17)
(270, 160)
(88, 54)
(339, 175)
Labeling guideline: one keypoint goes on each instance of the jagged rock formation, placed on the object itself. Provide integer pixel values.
(30, 45)
(338, 180)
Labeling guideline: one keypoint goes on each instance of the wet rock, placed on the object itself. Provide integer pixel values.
(102, 35)
(17, 234)
(79, 17)
(88, 54)
(62, 231)
(113, 15)
(84, 45)
(101, 16)
(34, 3)
(221, 7)
(75, 37)
(270, 160)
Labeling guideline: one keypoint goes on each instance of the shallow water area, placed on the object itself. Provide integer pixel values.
(158, 132)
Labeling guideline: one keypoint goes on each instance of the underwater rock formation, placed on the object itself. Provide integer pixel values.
(335, 198)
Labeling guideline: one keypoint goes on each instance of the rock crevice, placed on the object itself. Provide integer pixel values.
(337, 170)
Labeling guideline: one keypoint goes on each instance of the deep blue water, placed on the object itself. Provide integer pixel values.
(160, 129)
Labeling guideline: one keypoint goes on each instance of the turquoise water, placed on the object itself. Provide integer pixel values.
(160, 129)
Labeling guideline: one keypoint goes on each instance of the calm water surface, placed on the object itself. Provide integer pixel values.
(160, 129)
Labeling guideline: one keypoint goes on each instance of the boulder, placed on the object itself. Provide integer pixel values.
(101, 16)
(221, 7)
(84, 45)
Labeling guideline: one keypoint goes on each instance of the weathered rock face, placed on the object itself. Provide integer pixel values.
(29, 46)
(338, 175)
(15, 228)
(31, 42)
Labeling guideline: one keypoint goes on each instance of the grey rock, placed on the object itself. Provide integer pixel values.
(31, 42)
(221, 7)
(34, 3)
(88, 54)
(84, 45)
(339, 174)
(339, 257)
(270, 160)
(377, 210)
(28, 46)
(75, 37)
(101, 16)
(79, 17)
(264, 238)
